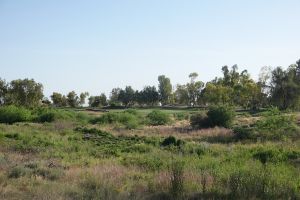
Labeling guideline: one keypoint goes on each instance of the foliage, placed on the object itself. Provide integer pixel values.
(128, 118)
(58, 99)
(177, 180)
(25, 93)
(72, 99)
(157, 117)
(164, 89)
(17, 172)
(285, 87)
(12, 114)
(216, 116)
(42, 115)
(97, 101)
(189, 93)
(181, 116)
(147, 96)
(220, 116)
(275, 125)
(171, 140)
(127, 96)
(82, 98)
(199, 120)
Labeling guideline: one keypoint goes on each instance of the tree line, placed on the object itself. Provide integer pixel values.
(275, 87)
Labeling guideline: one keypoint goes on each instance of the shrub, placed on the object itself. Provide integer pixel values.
(220, 116)
(50, 174)
(260, 183)
(157, 117)
(50, 115)
(276, 126)
(171, 140)
(12, 114)
(199, 120)
(46, 117)
(107, 118)
(131, 111)
(152, 162)
(216, 116)
(244, 133)
(94, 188)
(17, 172)
(177, 180)
(127, 118)
(138, 148)
(14, 136)
(181, 116)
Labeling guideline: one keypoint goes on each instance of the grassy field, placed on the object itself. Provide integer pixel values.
(83, 155)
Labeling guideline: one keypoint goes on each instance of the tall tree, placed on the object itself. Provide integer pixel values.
(164, 89)
(57, 99)
(98, 101)
(3, 91)
(73, 99)
(82, 98)
(181, 95)
(285, 88)
(216, 94)
(25, 92)
(148, 96)
(127, 96)
(114, 95)
(194, 89)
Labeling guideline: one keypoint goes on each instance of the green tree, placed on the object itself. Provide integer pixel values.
(164, 89)
(216, 94)
(181, 95)
(127, 96)
(194, 89)
(72, 99)
(3, 91)
(26, 92)
(57, 99)
(285, 87)
(82, 98)
(148, 96)
(97, 101)
(114, 95)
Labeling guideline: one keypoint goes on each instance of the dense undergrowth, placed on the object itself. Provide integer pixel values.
(75, 156)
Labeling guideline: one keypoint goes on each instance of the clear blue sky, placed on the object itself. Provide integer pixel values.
(97, 45)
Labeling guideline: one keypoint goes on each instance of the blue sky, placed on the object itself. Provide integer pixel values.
(97, 45)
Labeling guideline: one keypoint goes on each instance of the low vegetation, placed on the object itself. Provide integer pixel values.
(102, 157)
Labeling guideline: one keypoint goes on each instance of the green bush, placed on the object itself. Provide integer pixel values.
(12, 114)
(157, 117)
(181, 116)
(50, 115)
(275, 125)
(128, 118)
(107, 118)
(172, 141)
(216, 116)
(46, 117)
(199, 120)
(220, 116)
(244, 133)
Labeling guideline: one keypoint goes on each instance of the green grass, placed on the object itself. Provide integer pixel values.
(73, 159)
